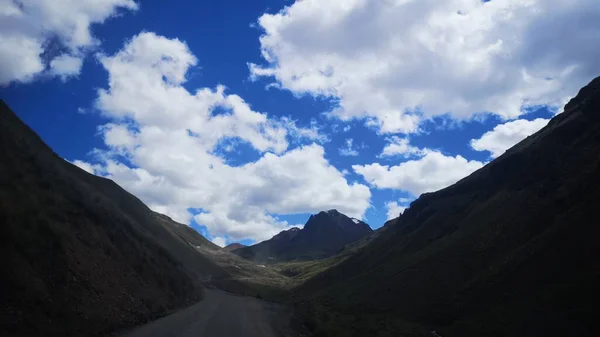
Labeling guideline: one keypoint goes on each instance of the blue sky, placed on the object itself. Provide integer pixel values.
(352, 105)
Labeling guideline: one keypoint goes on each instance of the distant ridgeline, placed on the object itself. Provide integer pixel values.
(323, 235)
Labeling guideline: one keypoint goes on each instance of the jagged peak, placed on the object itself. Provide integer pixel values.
(331, 212)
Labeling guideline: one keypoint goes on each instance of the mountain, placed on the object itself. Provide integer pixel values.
(80, 255)
(511, 250)
(269, 250)
(235, 274)
(233, 246)
(323, 235)
(185, 233)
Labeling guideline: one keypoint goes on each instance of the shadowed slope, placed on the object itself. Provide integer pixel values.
(81, 256)
(323, 235)
(510, 250)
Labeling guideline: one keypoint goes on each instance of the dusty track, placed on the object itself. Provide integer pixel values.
(220, 315)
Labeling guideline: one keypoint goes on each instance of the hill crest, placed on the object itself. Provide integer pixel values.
(324, 234)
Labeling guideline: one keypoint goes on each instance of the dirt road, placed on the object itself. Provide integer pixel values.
(220, 314)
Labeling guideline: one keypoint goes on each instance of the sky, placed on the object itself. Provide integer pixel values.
(241, 118)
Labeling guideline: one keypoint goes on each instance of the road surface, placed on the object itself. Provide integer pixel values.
(219, 314)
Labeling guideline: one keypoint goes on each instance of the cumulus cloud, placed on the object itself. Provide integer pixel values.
(32, 30)
(504, 136)
(162, 139)
(66, 66)
(394, 209)
(89, 168)
(430, 173)
(397, 146)
(394, 63)
(219, 241)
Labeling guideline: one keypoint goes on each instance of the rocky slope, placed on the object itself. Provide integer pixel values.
(323, 235)
(80, 255)
(510, 250)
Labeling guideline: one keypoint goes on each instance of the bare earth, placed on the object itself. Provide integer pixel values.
(220, 314)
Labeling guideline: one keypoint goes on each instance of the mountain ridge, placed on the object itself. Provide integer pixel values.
(80, 249)
(233, 246)
(507, 251)
(324, 234)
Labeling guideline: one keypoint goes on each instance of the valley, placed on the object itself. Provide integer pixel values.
(509, 250)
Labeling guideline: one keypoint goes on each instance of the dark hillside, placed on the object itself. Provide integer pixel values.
(510, 250)
(81, 256)
(268, 250)
(323, 235)
(185, 233)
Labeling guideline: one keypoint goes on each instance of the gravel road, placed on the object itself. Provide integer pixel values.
(220, 314)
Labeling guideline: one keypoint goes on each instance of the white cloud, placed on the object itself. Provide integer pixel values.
(348, 150)
(504, 136)
(66, 66)
(347, 128)
(427, 174)
(119, 137)
(165, 152)
(19, 58)
(400, 146)
(313, 132)
(394, 209)
(89, 168)
(394, 63)
(29, 27)
(219, 241)
(138, 91)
